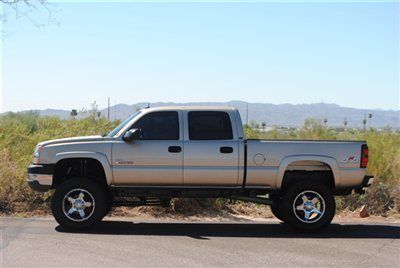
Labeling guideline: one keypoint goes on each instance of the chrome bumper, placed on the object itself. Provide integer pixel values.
(40, 177)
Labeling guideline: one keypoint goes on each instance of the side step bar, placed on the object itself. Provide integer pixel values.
(165, 202)
(143, 201)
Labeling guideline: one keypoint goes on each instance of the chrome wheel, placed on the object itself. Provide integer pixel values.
(78, 205)
(309, 206)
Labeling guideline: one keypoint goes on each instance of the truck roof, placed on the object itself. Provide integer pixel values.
(191, 108)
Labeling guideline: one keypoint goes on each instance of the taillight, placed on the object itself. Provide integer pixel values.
(364, 156)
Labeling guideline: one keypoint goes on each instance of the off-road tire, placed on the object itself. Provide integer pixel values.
(288, 206)
(276, 210)
(97, 191)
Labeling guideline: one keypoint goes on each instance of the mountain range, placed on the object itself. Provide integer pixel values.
(290, 115)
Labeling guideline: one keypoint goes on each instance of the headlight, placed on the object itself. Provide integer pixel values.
(36, 154)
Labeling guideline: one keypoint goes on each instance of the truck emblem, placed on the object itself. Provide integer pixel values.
(350, 159)
(124, 162)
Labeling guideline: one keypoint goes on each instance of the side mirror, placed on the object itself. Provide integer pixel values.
(132, 134)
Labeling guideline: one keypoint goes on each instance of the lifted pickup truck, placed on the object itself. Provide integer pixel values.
(160, 153)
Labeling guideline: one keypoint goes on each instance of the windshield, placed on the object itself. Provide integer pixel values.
(122, 125)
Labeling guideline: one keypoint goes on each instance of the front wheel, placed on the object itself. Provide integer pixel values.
(277, 212)
(276, 207)
(308, 206)
(79, 203)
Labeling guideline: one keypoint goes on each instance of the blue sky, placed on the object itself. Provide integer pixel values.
(344, 53)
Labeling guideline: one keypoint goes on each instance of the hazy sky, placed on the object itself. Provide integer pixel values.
(344, 53)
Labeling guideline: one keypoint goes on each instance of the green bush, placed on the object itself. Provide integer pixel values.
(19, 133)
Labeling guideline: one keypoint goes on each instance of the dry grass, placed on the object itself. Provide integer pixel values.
(189, 208)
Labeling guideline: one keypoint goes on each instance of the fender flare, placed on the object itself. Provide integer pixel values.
(331, 162)
(93, 155)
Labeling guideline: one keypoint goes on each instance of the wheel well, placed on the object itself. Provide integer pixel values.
(312, 171)
(78, 167)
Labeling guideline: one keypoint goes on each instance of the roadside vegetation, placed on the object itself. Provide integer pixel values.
(20, 132)
(383, 198)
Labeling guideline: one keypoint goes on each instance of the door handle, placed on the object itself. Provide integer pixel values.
(174, 149)
(226, 150)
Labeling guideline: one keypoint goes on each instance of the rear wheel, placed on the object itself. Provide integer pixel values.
(79, 203)
(308, 206)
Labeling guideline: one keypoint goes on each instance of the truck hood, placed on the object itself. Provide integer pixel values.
(74, 139)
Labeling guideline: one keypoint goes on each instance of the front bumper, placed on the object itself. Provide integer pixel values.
(367, 181)
(40, 177)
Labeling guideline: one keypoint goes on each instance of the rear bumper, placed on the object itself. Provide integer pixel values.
(367, 181)
(40, 177)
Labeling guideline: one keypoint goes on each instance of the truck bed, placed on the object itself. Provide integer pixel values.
(268, 160)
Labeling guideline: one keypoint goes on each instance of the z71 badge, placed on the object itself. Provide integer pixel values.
(350, 159)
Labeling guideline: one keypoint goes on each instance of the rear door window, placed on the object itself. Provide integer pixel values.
(210, 126)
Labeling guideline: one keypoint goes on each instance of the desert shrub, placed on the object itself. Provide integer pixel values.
(19, 133)
(381, 199)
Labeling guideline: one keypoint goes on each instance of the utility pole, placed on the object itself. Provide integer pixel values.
(247, 114)
(108, 109)
(115, 107)
(364, 121)
(370, 120)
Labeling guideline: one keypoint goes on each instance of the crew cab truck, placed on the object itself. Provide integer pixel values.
(160, 153)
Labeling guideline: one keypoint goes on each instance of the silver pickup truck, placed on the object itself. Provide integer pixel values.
(161, 153)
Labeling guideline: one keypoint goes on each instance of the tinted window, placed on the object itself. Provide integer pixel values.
(159, 126)
(210, 126)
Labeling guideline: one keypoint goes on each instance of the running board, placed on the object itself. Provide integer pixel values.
(143, 201)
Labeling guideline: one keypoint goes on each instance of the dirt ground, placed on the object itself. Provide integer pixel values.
(142, 213)
(191, 210)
